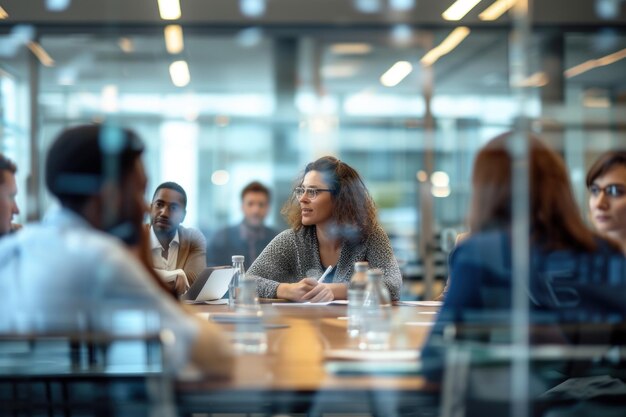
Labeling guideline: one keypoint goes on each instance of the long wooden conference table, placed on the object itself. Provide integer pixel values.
(313, 366)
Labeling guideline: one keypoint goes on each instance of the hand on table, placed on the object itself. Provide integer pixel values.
(319, 293)
(307, 289)
(181, 284)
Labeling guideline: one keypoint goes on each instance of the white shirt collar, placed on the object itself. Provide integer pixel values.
(154, 241)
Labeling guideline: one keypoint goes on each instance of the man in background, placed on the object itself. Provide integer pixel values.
(74, 271)
(178, 253)
(8, 192)
(248, 238)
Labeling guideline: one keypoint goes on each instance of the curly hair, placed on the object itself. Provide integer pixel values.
(354, 211)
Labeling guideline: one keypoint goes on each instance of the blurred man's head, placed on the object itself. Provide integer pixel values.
(96, 171)
(255, 203)
(168, 208)
(8, 191)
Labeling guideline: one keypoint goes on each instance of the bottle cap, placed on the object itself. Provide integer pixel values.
(238, 258)
(361, 266)
(375, 273)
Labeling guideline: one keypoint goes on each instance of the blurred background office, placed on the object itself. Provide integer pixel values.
(229, 91)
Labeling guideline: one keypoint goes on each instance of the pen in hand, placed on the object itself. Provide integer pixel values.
(330, 268)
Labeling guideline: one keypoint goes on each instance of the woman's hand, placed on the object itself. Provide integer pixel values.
(295, 292)
(319, 293)
(307, 289)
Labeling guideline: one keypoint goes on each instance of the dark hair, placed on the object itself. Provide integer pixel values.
(82, 158)
(255, 187)
(354, 211)
(172, 186)
(6, 165)
(604, 164)
(555, 219)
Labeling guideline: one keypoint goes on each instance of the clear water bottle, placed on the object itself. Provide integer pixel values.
(356, 297)
(376, 325)
(238, 272)
(250, 336)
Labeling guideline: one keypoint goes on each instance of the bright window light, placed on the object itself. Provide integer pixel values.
(109, 99)
(179, 161)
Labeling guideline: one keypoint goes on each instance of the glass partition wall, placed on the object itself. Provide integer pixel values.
(406, 99)
(399, 101)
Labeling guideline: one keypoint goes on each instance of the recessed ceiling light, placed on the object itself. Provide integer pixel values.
(169, 9)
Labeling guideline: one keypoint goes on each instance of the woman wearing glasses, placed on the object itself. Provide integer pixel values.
(606, 182)
(333, 223)
(573, 274)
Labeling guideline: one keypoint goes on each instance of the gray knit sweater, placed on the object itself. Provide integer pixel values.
(294, 255)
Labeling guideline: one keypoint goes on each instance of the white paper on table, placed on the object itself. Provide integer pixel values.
(310, 304)
(219, 301)
(421, 303)
(372, 355)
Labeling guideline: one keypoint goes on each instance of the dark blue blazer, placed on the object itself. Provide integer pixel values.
(563, 287)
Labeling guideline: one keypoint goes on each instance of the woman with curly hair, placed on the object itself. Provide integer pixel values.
(333, 223)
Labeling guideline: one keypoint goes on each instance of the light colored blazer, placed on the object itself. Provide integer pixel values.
(191, 253)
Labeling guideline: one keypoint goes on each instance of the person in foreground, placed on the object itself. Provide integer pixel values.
(575, 276)
(177, 252)
(606, 182)
(8, 191)
(73, 272)
(249, 237)
(333, 223)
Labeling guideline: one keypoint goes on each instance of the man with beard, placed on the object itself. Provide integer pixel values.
(74, 272)
(178, 253)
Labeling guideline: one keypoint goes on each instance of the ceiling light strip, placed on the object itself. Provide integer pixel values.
(396, 73)
(351, 48)
(459, 9)
(595, 63)
(449, 43)
(41, 54)
(497, 9)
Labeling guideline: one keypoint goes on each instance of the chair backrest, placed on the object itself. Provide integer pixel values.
(480, 359)
(83, 374)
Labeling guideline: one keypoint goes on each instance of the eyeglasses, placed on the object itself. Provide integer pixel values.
(611, 190)
(311, 193)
